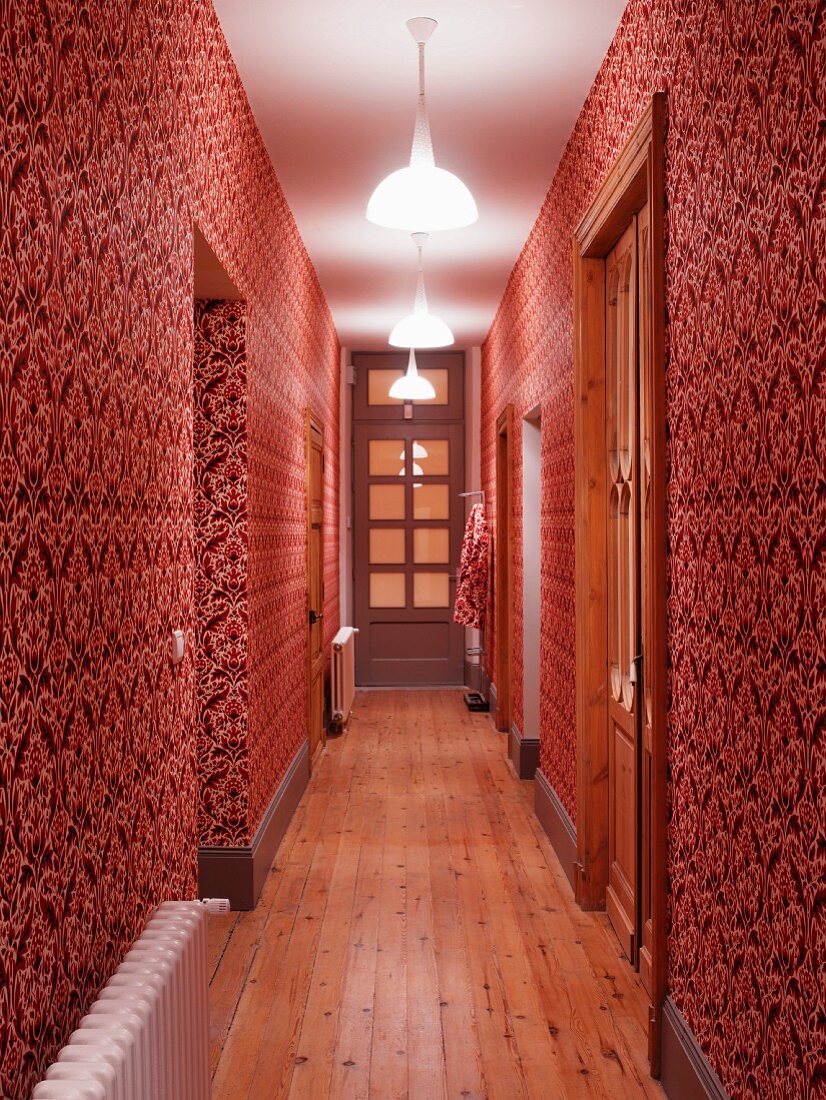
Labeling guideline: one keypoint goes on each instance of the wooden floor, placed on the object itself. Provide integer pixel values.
(417, 937)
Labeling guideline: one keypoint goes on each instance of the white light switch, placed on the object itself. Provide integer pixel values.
(178, 646)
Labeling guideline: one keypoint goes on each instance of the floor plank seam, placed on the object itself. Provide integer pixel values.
(417, 938)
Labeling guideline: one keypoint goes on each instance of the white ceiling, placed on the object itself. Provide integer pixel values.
(333, 86)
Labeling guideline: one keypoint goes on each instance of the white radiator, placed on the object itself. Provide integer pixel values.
(147, 1035)
(344, 673)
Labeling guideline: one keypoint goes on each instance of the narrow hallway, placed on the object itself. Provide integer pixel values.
(417, 937)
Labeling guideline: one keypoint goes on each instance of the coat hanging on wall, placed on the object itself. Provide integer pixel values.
(472, 584)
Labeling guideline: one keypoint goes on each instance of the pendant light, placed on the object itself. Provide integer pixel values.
(412, 386)
(420, 329)
(422, 197)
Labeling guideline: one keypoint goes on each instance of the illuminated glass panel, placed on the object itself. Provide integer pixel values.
(431, 590)
(387, 502)
(431, 545)
(431, 502)
(380, 379)
(387, 590)
(437, 460)
(387, 546)
(384, 457)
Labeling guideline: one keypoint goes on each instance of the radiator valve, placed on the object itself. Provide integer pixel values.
(216, 907)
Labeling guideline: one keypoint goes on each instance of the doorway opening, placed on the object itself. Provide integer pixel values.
(619, 390)
(523, 744)
(503, 580)
(220, 538)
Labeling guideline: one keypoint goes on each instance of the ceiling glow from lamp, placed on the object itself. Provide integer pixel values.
(422, 197)
(412, 386)
(420, 329)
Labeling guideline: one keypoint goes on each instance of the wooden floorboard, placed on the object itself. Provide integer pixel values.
(417, 938)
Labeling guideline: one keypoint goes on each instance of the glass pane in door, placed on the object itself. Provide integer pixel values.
(431, 545)
(431, 502)
(384, 458)
(387, 590)
(387, 502)
(380, 379)
(433, 456)
(431, 590)
(387, 546)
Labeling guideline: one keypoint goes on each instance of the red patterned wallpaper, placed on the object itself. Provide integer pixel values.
(277, 532)
(221, 607)
(746, 404)
(121, 122)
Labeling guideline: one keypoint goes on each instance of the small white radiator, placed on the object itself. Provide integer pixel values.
(147, 1035)
(344, 674)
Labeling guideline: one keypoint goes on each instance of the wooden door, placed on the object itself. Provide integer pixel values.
(503, 602)
(619, 346)
(622, 456)
(315, 587)
(650, 536)
(408, 539)
(408, 472)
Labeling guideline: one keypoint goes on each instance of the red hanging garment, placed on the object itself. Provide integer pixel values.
(472, 584)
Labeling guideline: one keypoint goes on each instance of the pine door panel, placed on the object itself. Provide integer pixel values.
(623, 588)
(315, 587)
(647, 621)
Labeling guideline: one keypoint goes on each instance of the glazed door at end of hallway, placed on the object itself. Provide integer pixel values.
(408, 521)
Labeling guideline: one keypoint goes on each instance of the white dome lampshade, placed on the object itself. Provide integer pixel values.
(412, 386)
(420, 329)
(422, 197)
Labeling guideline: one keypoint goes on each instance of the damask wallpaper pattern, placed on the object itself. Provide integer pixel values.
(121, 123)
(746, 407)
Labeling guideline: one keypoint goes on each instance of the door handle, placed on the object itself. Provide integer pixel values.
(635, 669)
(315, 617)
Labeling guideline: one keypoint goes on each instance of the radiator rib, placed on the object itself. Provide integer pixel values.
(147, 1035)
(344, 673)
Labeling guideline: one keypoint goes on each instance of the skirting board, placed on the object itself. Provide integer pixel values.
(686, 1073)
(239, 873)
(554, 819)
(523, 753)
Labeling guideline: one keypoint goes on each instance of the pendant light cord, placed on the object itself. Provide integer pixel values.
(421, 154)
(420, 305)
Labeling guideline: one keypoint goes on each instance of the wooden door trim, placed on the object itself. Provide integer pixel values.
(312, 422)
(636, 177)
(503, 571)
